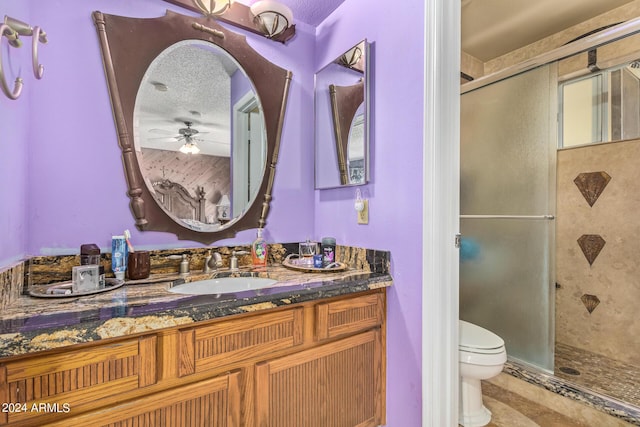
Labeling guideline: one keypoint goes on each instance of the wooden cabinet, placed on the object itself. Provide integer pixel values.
(337, 384)
(319, 363)
(207, 347)
(74, 380)
(213, 402)
(341, 317)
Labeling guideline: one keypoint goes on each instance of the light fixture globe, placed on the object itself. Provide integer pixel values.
(189, 147)
(213, 7)
(272, 17)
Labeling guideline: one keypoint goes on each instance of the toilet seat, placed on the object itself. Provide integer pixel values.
(475, 339)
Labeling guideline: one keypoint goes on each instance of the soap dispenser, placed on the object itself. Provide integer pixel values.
(259, 251)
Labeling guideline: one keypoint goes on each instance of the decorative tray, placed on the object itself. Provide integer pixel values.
(64, 289)
(294, 262)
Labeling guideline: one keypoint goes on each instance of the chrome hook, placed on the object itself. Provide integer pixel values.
(39, 36)
(11, 29)
(12, 36)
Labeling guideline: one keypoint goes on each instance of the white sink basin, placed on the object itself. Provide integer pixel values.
(223, 285)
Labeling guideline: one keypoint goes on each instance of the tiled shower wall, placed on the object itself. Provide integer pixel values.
(598, 249)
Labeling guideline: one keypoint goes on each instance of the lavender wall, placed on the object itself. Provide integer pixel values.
(395, 193)
(77, 192)
(76, 185)
(14, 147)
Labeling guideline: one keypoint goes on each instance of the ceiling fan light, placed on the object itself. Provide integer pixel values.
(272, 17)
(189, 148)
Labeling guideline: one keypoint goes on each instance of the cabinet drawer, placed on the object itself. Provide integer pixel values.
(212, 346)
(350, 315)
(211, 402)
(74, 380)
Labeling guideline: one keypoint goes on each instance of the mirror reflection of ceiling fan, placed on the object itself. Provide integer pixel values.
(186, 134)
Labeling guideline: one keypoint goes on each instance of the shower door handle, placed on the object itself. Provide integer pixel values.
(540, 217)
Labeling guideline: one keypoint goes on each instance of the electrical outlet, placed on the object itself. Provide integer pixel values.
(363, 215)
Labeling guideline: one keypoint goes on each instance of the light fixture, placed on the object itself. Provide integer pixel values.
(351, 57)
(189, 146)
(224, 208)
(272, 17)
(213, 7)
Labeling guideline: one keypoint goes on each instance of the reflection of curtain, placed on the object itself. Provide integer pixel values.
(345, 101)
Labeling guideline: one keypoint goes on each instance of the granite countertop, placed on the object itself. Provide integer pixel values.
(32, 324)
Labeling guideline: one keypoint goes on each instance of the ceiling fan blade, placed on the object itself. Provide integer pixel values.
(177, 138)
(209, 141)
(161, 131)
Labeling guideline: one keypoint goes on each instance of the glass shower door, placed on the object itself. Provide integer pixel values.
(507, 200)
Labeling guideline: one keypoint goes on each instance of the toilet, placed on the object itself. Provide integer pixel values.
(482, 356)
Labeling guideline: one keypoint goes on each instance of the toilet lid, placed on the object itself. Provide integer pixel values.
(475, 338)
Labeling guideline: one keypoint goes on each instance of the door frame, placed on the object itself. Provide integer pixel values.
(441, 210)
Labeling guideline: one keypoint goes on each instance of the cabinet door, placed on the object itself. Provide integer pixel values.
(337, 384)
(213, 402)
(75, 380)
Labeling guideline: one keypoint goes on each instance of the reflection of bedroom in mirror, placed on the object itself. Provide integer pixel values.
(183, 140)
(341, 119)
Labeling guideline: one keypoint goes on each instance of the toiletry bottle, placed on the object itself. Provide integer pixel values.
(118, 256)
(259, 251)
(328, 250)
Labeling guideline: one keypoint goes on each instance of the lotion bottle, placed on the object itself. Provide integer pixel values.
(259, 251)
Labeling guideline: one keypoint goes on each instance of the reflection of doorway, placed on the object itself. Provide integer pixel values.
(247, 152)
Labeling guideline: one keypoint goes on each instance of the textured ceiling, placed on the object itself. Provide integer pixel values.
(491, 28)
(193, 74)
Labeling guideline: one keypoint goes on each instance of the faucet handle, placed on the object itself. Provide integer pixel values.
(233, 262)
(184, 264)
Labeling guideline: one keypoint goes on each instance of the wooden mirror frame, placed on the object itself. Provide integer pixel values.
(129, 46)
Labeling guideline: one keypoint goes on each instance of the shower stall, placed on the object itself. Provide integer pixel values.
(548, 257)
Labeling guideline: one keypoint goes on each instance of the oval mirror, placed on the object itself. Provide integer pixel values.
(199, 116)
(199, 135)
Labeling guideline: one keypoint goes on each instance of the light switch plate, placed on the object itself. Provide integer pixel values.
(363, 215)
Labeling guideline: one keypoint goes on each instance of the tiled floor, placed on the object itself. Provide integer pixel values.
(512, 410)
(598, 373)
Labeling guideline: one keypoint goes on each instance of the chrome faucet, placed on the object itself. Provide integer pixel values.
(212, 262)
(233, 261)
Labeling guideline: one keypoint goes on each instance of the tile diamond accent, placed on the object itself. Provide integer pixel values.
(592, 184)
(590, 302)
(591, 245)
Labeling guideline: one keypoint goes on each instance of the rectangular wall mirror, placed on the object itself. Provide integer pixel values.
(342, 120)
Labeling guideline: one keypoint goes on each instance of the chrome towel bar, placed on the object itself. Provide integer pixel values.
(543, 217)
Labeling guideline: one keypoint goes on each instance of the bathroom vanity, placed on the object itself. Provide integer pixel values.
(309, 351)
